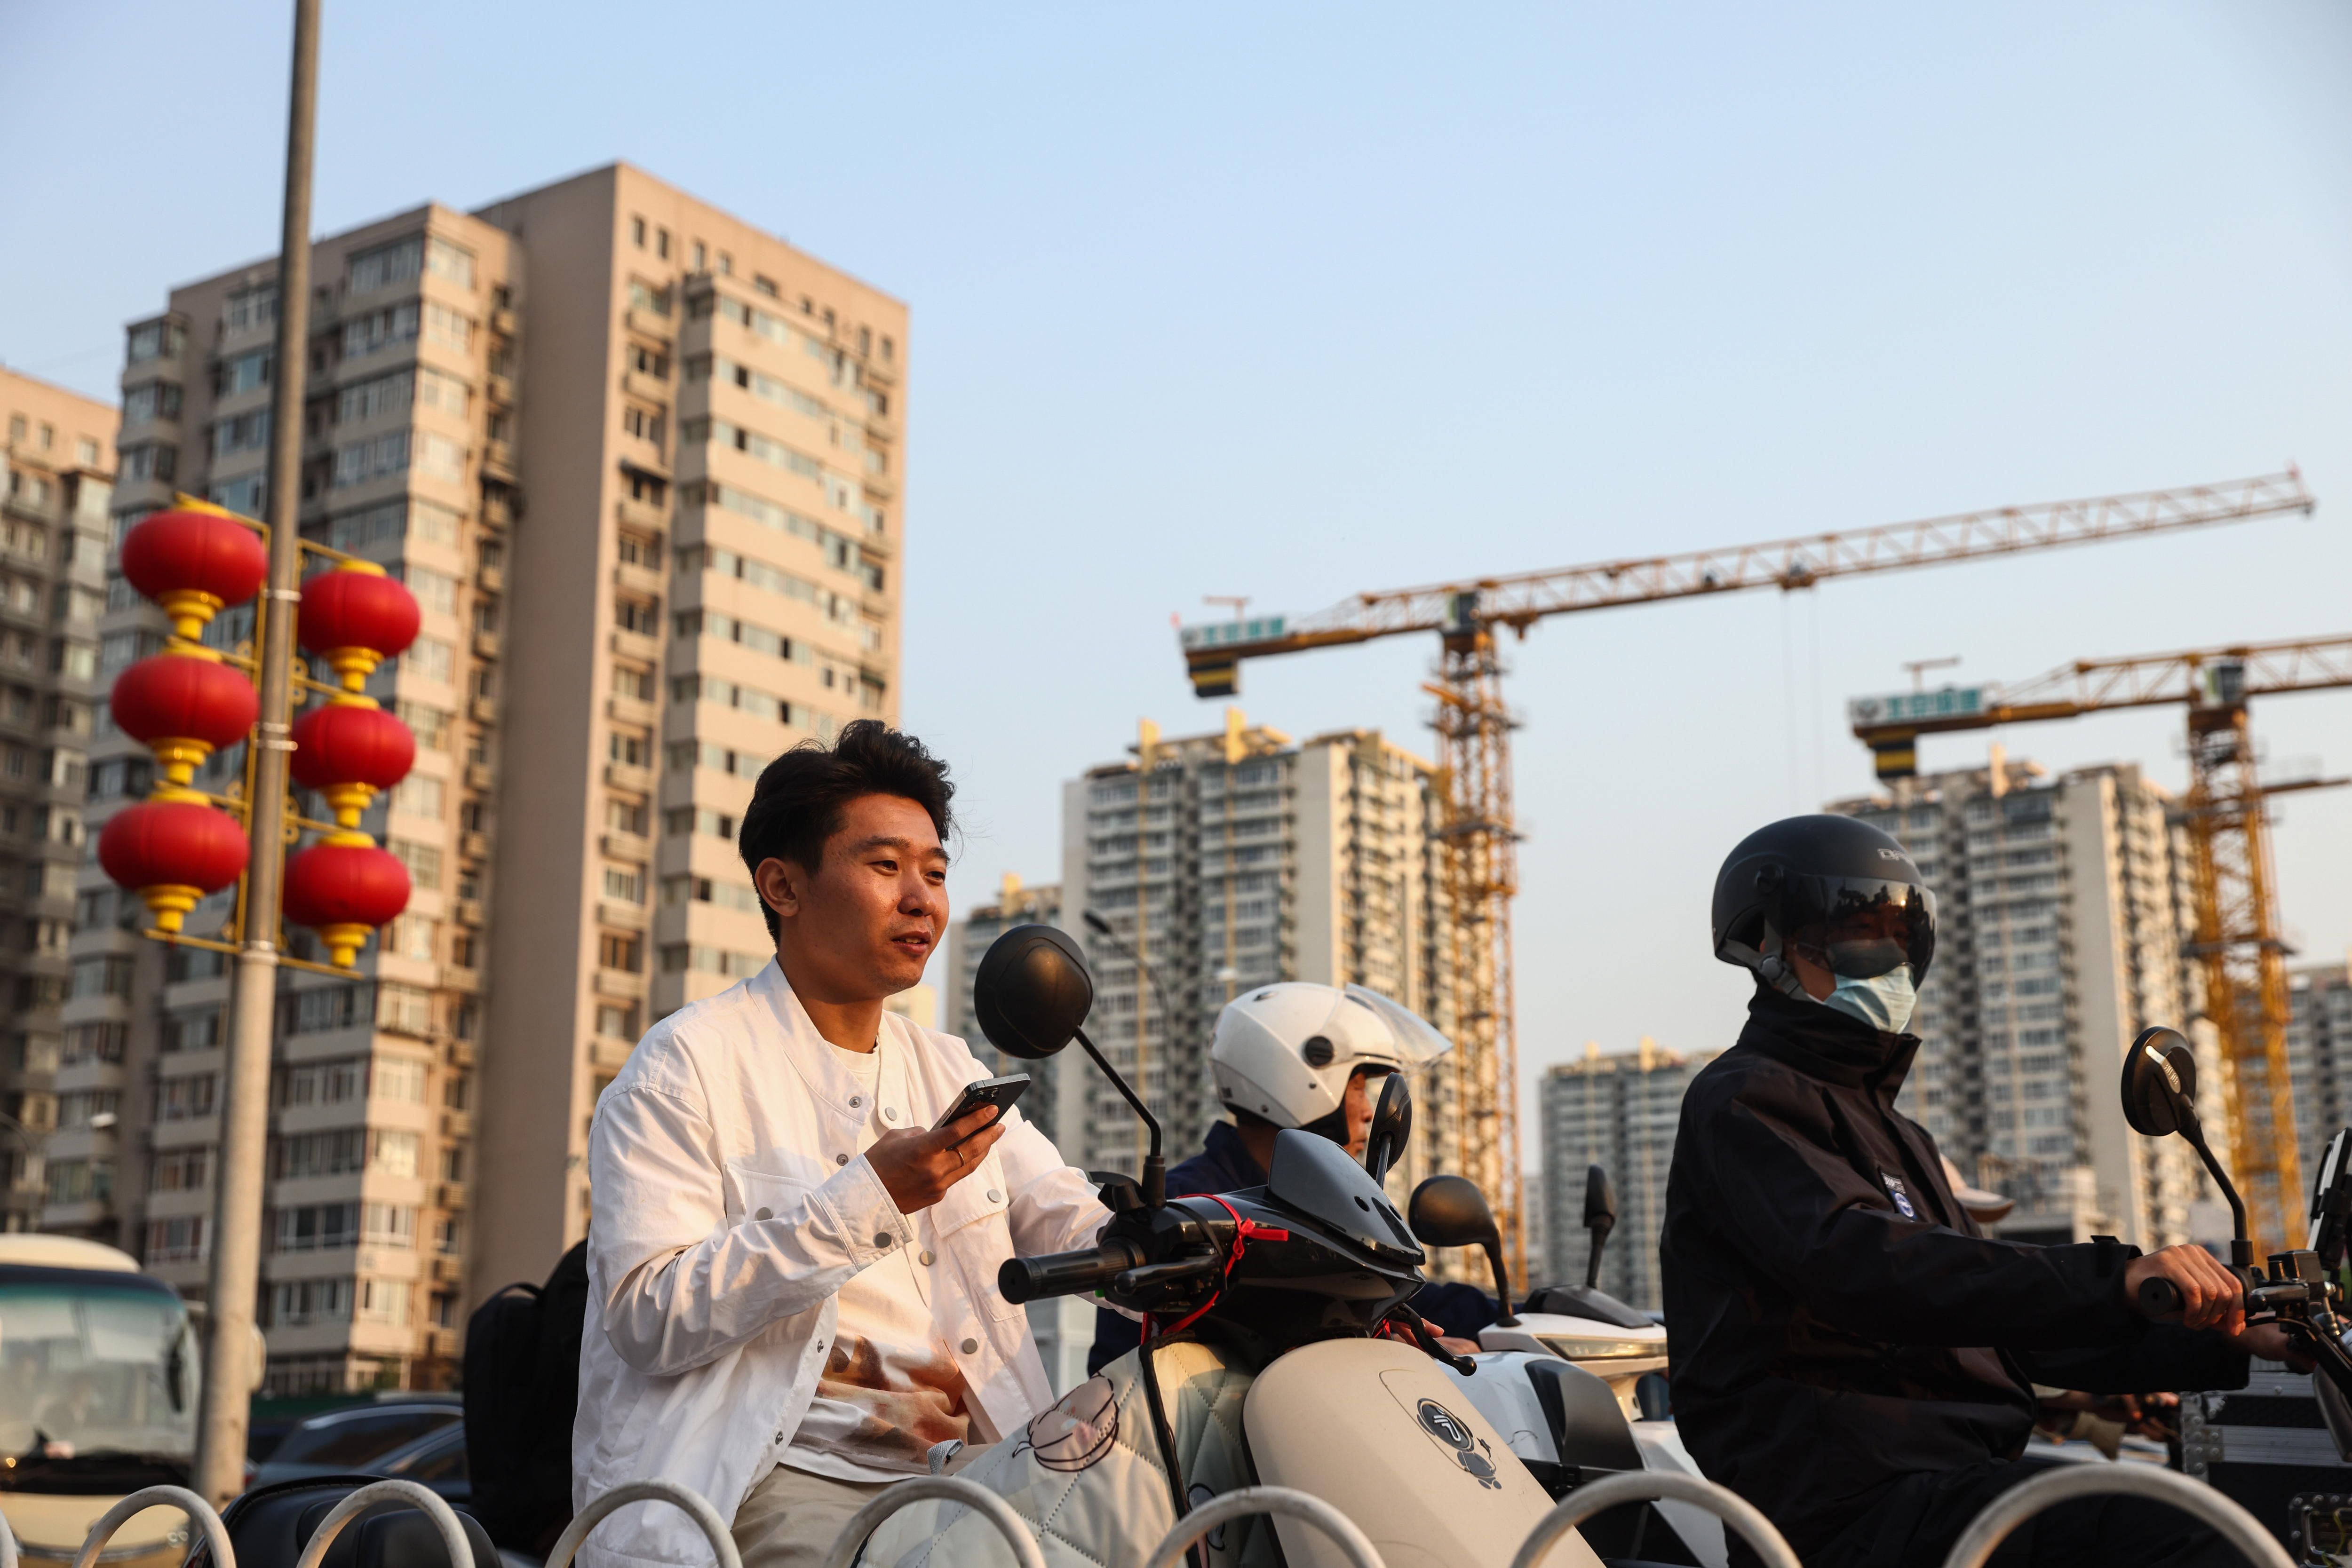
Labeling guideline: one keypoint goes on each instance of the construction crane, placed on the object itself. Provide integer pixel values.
(1476, 832)
(2236, 943)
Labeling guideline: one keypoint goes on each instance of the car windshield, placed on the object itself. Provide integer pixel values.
(91, 1369)
(353, 1439)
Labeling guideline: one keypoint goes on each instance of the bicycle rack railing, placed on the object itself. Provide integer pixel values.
(2014, 1507)
(1026, 1553)
(1652, 1486)
(353, 1504)
(1280, 1501)
(695, 1506)
(200, 1513)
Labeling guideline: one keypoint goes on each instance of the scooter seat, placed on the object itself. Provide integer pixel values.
(269, 1527)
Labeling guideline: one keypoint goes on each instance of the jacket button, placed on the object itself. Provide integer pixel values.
(765, 1214)
(995, 1195)
(972, 1347)
(890, 1113)
(841, 1159)
(855, 1101)
(928, 1259)
(883, 1238)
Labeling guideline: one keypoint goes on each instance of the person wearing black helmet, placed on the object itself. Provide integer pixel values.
(1851, 1354)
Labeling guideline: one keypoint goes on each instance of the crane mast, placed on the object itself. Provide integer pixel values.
(2235, 942)
(1476, 831)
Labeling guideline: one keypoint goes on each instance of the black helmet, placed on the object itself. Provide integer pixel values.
(1846, 891)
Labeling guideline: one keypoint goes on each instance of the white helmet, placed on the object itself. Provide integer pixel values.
(1286, 1053)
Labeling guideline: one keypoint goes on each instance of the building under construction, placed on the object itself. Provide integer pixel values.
(2066, 913)
(1219, 861)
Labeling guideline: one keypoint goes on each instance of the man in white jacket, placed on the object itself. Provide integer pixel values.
(791, 1276)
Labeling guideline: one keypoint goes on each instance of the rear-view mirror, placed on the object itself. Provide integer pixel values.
(1032, 991)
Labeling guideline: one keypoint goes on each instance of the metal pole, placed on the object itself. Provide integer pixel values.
(237, 1179)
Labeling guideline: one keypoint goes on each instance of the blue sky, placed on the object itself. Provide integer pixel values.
(1227, 299)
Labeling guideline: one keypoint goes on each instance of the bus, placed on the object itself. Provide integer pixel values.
(99, 1369)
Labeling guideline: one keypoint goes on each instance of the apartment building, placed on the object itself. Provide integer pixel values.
(2064, 906)
(638, 461)
(2319, 1055)
(1235, 859)
(53, 514)
(1618, 1111)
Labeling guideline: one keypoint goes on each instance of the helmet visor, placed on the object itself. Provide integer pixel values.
(1416, 1043)
(1859, 928)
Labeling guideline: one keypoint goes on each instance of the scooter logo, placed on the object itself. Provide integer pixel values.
(1447, 1427)
(1900, 1194)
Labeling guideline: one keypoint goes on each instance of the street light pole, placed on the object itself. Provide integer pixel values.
(234, 1277)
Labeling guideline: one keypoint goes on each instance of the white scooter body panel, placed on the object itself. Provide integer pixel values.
(1374, 1427)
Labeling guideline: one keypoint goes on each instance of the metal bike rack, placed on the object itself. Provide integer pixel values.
(200, 1513)
(2014, 1507)
(444, 1518)
(1286, 1502)
(1652, 1486)
(695, 1506)
(1026, 1553)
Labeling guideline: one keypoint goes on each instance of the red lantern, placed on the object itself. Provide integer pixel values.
(349, 750)
(185, 707)
(193, 561)
(343, 887)
(174, 853)
(356, 617)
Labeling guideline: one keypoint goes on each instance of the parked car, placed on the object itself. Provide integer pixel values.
(418, 1437)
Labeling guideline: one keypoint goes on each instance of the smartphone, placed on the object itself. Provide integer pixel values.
(998, 1091)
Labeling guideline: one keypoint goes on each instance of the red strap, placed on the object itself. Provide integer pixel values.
(1243, 1230)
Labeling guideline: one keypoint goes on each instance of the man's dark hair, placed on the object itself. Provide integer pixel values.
(797, 804)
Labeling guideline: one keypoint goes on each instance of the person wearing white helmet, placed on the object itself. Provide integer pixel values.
(1309, 1057)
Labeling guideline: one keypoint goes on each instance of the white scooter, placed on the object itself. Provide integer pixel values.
(1279, 1350)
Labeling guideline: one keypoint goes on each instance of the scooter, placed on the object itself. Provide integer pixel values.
(1282, 1314)
(2301, 1290)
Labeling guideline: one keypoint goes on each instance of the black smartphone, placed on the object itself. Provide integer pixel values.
(998, 1091)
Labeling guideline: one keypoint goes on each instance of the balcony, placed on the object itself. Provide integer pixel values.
(499, 390)
(883, 372)
(627, 847)
(478, 776)
(637, 579)
(447, 1270)
(498, 459)
(620, 984)
(636, 383)
(450, 1194)
(637, 780)
(502, 320)
(881, 484)
(468, 912)
(630, 710)
(474, 845)
(496, 511)
(490, 579)
(622, 917)
(643, 515)
(646, 324)
(486, 643)
(635, 646)
(483, 708)
(456, 979)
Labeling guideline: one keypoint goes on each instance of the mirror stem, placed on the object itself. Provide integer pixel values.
(1502, 1284)
(2242, 1249)
(1155, 1164)
(1593, 1258)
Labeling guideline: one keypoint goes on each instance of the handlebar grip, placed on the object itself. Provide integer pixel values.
(1089, 1268)
(2158, 1298)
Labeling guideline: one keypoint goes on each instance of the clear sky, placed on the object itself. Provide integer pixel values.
(1210, 301)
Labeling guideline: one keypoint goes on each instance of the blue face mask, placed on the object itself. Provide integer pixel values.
(1883, 1001)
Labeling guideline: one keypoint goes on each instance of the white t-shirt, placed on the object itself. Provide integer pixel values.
(890, 1389)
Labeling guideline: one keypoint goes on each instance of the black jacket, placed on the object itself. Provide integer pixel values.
(1225, 1164)
(1837, 1321)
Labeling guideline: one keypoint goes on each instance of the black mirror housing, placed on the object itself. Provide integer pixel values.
(2159, 1084)
(1032, 991)
(1391, 1128)
(1450, 1211)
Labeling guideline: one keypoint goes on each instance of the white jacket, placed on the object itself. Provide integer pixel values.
(731, 1205)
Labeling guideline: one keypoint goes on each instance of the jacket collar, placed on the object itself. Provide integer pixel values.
(816, 1059)
(1822, 1043)
(1225, 1148)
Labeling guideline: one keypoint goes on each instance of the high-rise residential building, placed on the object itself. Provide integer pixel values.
(2062, 909)
(1618, 1111)
(638, 461)
(2319, 1054)
(53, 520)
(1234, 859)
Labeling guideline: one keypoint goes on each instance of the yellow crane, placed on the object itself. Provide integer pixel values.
(1476, 832)
(2236, 943)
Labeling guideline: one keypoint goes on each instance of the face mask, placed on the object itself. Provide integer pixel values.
(1883, 1001)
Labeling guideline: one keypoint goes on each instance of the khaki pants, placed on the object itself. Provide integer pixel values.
(791, 1518)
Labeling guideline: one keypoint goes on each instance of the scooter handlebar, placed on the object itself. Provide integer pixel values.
(2158, 1298)
(1081, 1273)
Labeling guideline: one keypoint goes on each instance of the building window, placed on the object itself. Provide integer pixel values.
(630, 750)
(178, 1240)
(661, 243)
(616, 1021)
(700, 256)
(642, 616)
(644, 295)
(625, 884)
(634, 683)
(621, 951)
(624, 816)
(404, 1008)
(637, 233)
(644, 423)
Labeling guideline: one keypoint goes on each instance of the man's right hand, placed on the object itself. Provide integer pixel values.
(918, 1167)
(2210, 1297)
